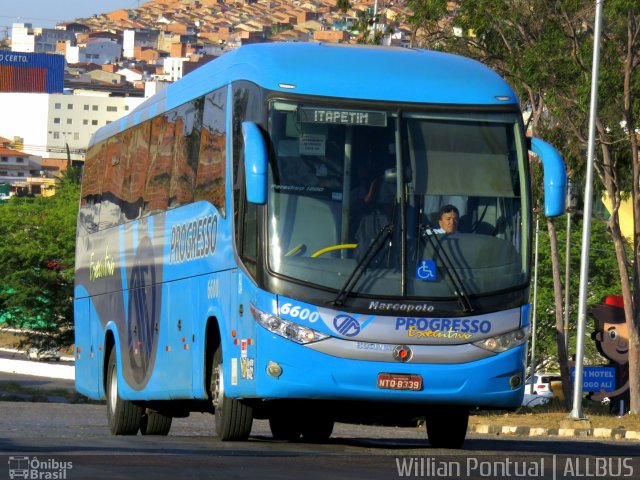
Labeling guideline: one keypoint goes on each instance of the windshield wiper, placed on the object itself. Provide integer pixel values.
(446, 263)
(374, 247)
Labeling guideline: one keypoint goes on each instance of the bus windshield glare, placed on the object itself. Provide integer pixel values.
(337, 202)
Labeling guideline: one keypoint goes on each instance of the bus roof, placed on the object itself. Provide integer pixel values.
(358, 72)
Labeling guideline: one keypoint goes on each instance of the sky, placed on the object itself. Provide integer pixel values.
(46, 13)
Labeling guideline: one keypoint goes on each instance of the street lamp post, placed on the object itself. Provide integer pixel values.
(576, 412)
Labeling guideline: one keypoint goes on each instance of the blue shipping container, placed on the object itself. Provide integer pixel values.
(31, 72)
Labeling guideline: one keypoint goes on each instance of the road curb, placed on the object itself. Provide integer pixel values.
(519, 430)
(38, 369)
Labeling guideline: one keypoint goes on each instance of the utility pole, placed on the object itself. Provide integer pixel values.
(374, 27)
(576, 413)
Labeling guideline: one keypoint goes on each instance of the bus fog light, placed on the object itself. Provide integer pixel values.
(515, 381)
(274, 369)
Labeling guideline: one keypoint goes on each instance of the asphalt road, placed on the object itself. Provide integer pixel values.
(73, 442)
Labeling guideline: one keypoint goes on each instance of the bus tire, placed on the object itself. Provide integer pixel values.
(155, 423)
(285, 426)
(233, 417)
(447, 428)
(123, 416)
(317, 429)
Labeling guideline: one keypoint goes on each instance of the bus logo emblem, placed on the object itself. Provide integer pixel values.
(346, 325)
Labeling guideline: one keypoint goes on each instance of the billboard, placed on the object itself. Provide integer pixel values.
(22, 72)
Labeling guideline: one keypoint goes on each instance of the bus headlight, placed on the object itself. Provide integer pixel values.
(286, 329)
(505, 341)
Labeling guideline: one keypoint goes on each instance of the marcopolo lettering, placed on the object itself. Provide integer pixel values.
(459, 325)
(401, 307)
(193, 240)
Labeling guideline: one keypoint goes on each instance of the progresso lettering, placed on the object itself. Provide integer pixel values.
(193, 240)
(457, 325)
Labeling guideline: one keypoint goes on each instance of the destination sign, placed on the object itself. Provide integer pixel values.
(342, 117)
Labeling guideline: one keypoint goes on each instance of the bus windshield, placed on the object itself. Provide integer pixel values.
(354, 188)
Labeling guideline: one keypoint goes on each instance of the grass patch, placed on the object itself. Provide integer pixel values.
(551, 414)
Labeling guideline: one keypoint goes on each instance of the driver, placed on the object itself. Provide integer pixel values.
(448, 218)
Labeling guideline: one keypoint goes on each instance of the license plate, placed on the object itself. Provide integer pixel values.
(398, 381)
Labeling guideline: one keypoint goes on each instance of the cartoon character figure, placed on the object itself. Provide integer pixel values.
(612, 340)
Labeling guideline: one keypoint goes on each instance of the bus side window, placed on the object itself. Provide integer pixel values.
(128, 211)
(210, 181)
(139, 163)
(112, 184)
(156, 191)
(92, 177)
(185, 158)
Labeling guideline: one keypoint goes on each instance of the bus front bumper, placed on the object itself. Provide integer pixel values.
(305, 373)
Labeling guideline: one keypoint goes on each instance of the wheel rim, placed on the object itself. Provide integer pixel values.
(217, 384)
(113, 390)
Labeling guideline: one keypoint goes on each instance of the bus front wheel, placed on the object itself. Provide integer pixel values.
(124, 416)
(233, 417)
(447, 428)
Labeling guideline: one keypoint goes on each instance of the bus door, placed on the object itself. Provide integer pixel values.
(183, 298)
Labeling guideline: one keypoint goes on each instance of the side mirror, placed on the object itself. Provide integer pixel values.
(255, 163)
(555, 177)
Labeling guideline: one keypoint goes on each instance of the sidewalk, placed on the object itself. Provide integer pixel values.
(38, 369)
(586, 432)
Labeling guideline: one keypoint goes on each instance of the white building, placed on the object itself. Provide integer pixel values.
(138, 38)
(16, 166)
(48, 123)
(131, 75)
(173, 70)
(99, 51)
(25, 38)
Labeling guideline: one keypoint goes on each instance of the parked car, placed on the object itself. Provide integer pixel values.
(42, 348)
(541, 388)
(49, 354)
(541, 384)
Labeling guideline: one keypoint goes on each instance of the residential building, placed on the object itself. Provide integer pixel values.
(173, 68)
(139, 38)
(21, 171)
(25, 38)
(48, 123)
(99, 51)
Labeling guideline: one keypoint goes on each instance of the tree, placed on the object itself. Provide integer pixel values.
(37, 262)
(343, 6)
(425, 22)
(508, 37)
(545, 50)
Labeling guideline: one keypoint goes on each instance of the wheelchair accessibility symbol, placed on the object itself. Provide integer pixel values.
(426, 271)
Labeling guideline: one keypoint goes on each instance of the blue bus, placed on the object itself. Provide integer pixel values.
(260, 240)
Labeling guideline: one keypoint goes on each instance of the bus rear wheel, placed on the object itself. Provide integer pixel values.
(124, 416)
(155, 423)
(284, 426)
(447, 428)
(233, 417)
(317, 429)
